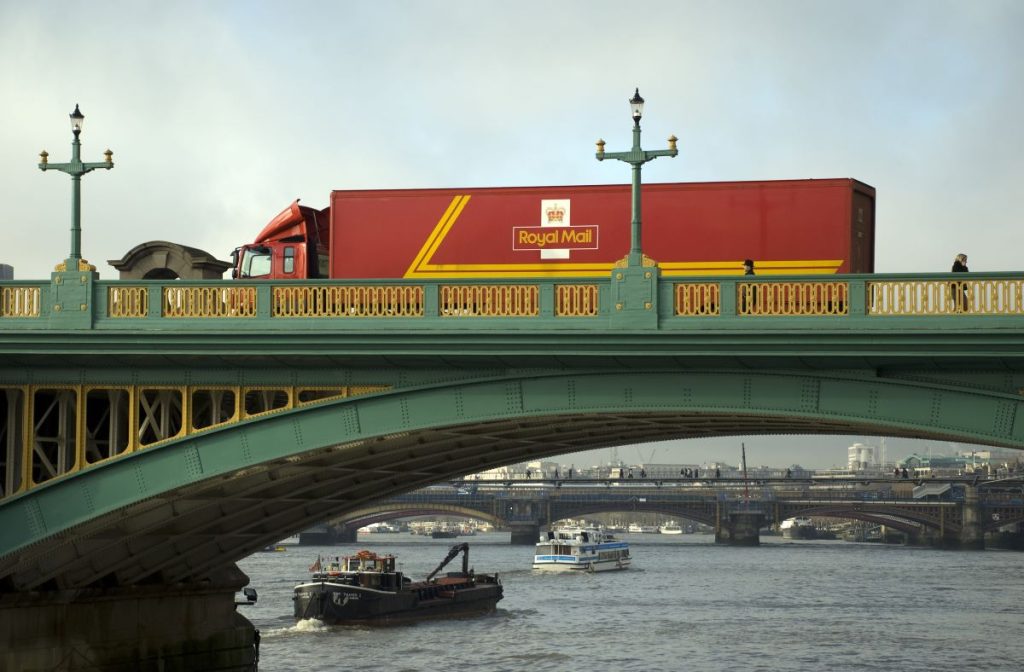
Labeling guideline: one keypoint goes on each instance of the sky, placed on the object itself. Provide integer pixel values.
(221, 113)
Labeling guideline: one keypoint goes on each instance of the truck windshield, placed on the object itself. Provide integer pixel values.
(255, 262)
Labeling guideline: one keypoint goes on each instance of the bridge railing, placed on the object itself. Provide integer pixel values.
(579, 303)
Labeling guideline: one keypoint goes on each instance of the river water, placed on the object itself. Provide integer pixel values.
(685, 604)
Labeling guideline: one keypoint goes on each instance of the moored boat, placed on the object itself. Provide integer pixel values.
(578, 549)
(366, 589)
(803, 528)
(670, 528)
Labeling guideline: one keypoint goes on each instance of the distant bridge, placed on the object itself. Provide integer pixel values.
(528, 506)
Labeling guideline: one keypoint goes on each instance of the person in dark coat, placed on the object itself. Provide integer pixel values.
(958, 290)
(748, 269)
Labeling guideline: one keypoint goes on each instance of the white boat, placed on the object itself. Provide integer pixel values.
(580, 549)
(670, 528)
(634, 528)
(798, 528)
(381, 528)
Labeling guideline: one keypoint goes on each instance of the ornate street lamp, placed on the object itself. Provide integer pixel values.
(636, 157)
(75, 168)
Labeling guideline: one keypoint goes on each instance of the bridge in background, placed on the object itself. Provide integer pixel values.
(940, 512)
(153, 433)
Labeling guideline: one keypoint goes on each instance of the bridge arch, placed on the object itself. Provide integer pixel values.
(386, 512)
(223, 494)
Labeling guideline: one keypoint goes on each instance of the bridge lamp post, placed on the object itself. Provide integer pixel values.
(636, 157)
(76, 168)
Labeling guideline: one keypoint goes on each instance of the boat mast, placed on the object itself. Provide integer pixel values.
(746, 490)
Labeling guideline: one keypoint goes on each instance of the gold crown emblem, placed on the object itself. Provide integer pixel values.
(556, 213)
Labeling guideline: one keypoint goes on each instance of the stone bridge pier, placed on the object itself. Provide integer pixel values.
(972, 533)
(345, 534)
(525, 520)
(970, 537)
(738, 528)
(153, 628)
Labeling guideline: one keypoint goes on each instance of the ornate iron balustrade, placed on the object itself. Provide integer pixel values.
(19, 301)
(220, 301)
(348, 301)
(783, 299)
(697, 299)
(997, 296)
(489, 300)
(577, 300)
(584, 304)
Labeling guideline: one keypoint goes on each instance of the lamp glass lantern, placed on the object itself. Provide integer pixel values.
(636, 105)
(77, 118)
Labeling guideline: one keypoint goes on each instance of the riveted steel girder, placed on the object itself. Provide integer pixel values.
(184, 508)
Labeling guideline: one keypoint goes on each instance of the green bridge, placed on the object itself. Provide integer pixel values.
(155, 432)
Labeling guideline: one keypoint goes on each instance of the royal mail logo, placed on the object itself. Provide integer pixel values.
(555, 215)
(554, 238)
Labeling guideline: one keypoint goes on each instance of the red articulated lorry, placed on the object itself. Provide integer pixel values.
(708, 228)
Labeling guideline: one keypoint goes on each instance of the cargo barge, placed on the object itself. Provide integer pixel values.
(366, 589)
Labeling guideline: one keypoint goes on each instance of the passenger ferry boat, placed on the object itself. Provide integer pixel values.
(365, 588)
(579, 549)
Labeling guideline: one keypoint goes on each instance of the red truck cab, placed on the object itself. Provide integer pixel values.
(294, 245)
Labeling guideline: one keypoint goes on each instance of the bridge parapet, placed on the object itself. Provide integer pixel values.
(583, 303)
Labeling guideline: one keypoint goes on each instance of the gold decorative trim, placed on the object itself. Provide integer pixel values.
(645, 262)
(698, 299)
(19, 302)
(83, 265)
(371, 301)
(576, 300)
(489, 301)
(945, 297)
(777, 299)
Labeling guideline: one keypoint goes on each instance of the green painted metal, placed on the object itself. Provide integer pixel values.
(466, 394)
(76, 168)
(81, 292)
(347, 453)
(636, 158)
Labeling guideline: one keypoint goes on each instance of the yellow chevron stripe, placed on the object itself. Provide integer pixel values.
(422, 268)
(566, 270)
(436, 236)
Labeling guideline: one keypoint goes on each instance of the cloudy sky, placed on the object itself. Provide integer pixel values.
(220, 113)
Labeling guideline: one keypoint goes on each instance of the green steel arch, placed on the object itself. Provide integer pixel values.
(176, 511)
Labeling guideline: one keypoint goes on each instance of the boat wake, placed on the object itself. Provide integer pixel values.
(303, 626)
(308, 625)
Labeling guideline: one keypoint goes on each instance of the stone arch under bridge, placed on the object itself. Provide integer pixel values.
(189, 506)
(382, 513)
